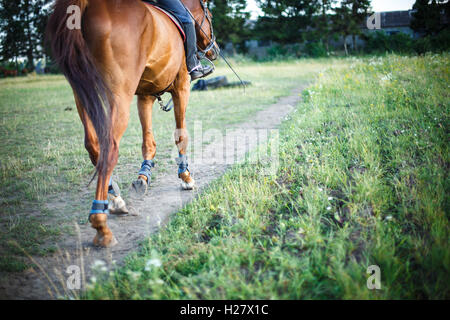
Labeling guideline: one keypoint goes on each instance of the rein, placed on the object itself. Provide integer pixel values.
(212, 41)
(201, 53)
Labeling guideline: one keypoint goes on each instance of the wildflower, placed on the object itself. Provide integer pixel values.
(134, 275)
(157, 281)
(328, 208)
(387, 77)
(99, 265)
(154, 262)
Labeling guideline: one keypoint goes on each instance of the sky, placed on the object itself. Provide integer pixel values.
(377, 6)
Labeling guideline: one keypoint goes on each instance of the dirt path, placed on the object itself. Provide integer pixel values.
(148, 214)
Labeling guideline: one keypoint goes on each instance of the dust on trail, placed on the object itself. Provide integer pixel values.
(147, 215)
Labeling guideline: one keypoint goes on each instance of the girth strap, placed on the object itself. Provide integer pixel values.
(163, 107)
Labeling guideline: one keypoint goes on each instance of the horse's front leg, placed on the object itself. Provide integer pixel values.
(145, 107)
(180, 95)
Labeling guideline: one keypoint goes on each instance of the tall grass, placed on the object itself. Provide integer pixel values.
(363, 180)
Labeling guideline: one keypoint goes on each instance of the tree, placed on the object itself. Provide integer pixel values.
(10, 31)
(341, 26)
(323, 22)
(349, 18)
(230, 21)
(360, 13)
(427, 16)
(22, 29)
(285, 21)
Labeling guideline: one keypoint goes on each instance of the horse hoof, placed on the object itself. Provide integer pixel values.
(117, 206)
(187, 182)
(188, 186)
(104, 237)
(105, 241)
(140, 186)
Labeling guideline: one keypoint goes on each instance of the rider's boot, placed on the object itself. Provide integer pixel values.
(195, 68)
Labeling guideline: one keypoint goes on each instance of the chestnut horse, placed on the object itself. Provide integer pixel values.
(123, 48)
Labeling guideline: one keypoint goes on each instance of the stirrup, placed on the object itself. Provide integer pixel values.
(200, 72)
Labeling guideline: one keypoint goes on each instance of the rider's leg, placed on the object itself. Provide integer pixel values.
(195, 68)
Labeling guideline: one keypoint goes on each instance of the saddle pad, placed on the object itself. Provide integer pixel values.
(171, 17)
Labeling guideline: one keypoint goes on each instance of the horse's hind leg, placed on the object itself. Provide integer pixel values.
(180, 96)
(117, 204)
(120, 113)
(90, 137)
(145, 108)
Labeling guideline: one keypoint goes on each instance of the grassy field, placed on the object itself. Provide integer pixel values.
(363, 180)
(44, 168)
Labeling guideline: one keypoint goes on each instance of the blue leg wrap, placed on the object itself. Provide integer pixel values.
(182, 164)
(99, 206)
(146, 169)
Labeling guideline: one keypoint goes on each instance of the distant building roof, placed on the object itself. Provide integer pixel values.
(392, 19)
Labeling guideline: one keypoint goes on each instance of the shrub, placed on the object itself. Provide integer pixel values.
(315, 49)
(380, 42)
(310, 49)
(277, 51)
(436, 43)
(8, 70)
(52, 68)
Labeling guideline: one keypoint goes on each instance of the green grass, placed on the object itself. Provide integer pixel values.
(43, 160)
(363, 180)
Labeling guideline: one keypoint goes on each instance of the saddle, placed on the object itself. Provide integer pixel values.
(172, 17)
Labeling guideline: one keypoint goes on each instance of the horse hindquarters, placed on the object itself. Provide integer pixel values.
(103, 72)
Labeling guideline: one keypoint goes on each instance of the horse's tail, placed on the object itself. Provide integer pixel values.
(76, 62)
